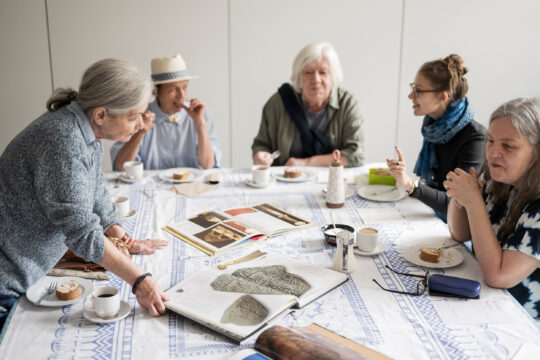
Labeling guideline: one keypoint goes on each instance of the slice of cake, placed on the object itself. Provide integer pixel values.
(292, 173)
(431, 254)
(180, 175)
(68, 291)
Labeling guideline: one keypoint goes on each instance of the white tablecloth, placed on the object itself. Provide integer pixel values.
(400, 326)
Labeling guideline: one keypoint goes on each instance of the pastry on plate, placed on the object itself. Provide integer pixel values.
(68, 291)
(432, 255)
(292, 173)
(180, 175)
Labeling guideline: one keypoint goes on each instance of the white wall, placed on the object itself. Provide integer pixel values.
(243, 50)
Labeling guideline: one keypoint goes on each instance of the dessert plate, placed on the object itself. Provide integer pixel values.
(252, 184)
(449, 258)
(194, 174)
(36, 291)
(381, 192)
(306, 175)
(91, 315)
(381, 247)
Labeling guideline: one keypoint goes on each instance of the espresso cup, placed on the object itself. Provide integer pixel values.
(105, 301)
(367, 239)
(134, 169)
(122, 205)
(260, 174)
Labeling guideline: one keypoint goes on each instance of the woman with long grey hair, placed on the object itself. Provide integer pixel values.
(52, 191)
(501, 212)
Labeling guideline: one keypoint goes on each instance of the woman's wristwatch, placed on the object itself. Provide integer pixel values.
(415, 186)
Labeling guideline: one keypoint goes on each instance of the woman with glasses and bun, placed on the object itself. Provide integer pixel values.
(452, 138)
(501, 211)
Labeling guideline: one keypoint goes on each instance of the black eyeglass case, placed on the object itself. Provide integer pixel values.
(451, 286)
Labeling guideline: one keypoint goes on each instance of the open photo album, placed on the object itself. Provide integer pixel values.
(216, 232)
(244, 298)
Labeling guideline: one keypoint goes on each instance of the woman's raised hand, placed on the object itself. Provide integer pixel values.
(398, 169)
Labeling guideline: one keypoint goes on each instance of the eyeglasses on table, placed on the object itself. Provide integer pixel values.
(420, 285)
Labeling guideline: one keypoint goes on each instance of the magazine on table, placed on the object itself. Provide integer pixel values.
(215, 232)
(244, 298)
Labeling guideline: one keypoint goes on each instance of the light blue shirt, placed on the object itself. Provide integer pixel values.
(171, 144)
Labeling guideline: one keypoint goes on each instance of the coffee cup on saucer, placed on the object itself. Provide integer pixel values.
(134, 169)
(105, 301)
(367, 239)
(260, 175)
(122, 205)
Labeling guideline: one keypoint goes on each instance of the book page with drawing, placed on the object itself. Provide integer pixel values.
(241, 300)
(215, 232)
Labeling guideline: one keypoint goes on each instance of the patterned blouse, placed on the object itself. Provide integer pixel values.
(526, 239)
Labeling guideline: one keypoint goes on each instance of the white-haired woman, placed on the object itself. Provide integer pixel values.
(309, 118)
(52, 190)
(502, 216)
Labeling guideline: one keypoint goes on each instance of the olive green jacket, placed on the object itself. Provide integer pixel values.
(277, 130)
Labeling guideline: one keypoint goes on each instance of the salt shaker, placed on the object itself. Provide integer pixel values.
(335, 194)
(344, 253)
(337, 262)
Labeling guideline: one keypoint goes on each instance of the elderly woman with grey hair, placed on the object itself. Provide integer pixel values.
(309, 118)
(501, 211)
(52, 189)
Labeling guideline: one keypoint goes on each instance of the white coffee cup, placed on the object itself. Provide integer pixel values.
(134, 169)
(105, 301)
(367, 239)
(260, 174)
(122, 205)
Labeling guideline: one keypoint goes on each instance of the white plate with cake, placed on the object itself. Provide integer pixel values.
(433, 257)
(293, 174)
(181, 175)
(381, 192)
(69, 290)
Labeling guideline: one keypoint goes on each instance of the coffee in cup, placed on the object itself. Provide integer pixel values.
(367, 239)
(122, 205)
(134, 169)
(260, 175)
(105, 301)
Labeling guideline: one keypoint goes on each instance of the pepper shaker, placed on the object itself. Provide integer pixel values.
(335, 194)
(345, 253)
(337, 262)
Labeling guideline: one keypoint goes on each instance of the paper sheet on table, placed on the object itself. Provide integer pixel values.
(428, 235)
(192, 189)
(350, 178)
(527, 351)
(472, 312)
(380, 215)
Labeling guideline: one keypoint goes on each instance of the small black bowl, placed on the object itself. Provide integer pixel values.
(331, 238)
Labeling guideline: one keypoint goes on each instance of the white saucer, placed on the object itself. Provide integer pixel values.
(91, 315)
(252, 184)
(381, 247)
(129, 215)
(306, 175)
(129, 180)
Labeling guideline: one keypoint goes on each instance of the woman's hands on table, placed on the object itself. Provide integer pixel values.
(150, 296)
(146, 247)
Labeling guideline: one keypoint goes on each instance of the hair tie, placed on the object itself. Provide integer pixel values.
(72, 95)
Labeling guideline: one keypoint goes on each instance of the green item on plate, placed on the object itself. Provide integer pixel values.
(381, 179)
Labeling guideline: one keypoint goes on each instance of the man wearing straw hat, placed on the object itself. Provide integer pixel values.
(178, 130)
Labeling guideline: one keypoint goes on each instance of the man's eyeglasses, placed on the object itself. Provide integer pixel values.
(420, 285)
(416, 91)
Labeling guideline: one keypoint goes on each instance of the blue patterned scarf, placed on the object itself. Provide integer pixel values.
(440, 131)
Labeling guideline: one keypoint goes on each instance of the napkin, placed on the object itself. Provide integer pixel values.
(192, 189)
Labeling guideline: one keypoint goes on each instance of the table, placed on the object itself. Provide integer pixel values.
(399, 326)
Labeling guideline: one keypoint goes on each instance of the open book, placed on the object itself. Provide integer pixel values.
(216, 232)
(241, 300)
(313, 341)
